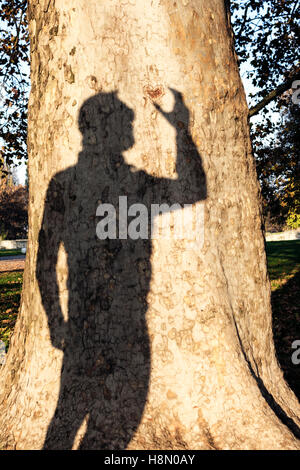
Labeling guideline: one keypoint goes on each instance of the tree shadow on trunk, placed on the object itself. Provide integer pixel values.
(106, 364)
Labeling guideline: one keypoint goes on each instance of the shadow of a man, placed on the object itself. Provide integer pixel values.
(106, 364)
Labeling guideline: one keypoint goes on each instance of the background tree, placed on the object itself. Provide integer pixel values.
(289, 145)
(189, 359)
(278, 169)
(266, 41)
(266, 38)
(13, 209)
(14, 81)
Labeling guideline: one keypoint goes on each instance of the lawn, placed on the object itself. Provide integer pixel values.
(283, 261)
(284, 271)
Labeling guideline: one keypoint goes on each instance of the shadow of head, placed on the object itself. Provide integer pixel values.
(106, 123)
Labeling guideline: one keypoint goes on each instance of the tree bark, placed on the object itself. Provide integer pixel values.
(147, 343)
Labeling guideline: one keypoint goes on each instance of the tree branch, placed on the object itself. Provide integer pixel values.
(273, 94)
(243, 23)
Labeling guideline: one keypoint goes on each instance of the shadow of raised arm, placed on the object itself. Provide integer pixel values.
(190, 186)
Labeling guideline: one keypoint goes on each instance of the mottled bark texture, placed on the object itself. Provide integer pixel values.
(142, 344)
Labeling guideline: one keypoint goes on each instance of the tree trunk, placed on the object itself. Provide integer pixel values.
(134, 341)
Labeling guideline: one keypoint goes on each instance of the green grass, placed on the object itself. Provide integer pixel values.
(10, 253)
(283, 261)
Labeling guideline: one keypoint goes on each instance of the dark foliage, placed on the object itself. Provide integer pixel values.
(13, 211)
(14, 81)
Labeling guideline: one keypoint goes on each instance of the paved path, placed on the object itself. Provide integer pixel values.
(12, 263)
